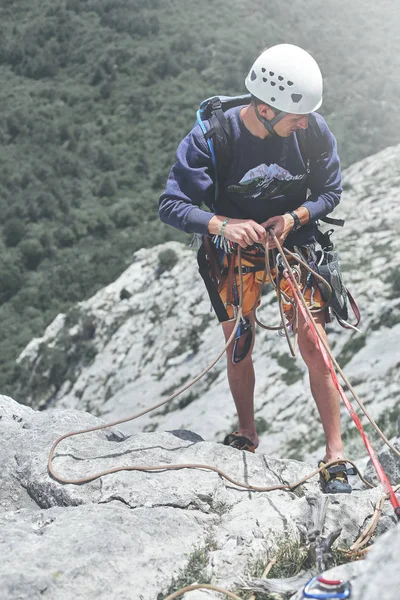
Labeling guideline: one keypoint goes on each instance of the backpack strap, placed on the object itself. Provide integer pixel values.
(206, 107)
(218, 134)
(310, 152)
(217, 119)
(305, 139)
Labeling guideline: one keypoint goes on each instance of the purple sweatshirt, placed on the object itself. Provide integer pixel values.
(191, 185)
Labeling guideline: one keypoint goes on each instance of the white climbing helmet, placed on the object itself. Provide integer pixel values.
(286, 78)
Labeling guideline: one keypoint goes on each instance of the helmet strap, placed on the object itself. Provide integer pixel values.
(269, 125)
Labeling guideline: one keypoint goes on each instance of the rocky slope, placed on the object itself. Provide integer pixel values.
(134, 342)
(141, 535)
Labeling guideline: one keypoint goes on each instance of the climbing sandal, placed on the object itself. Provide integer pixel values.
(334, 480)
(239, 441)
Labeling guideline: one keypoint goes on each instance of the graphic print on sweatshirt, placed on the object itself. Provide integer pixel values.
(263, 192)
(264, 182)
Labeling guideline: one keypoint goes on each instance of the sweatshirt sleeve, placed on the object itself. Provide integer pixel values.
(190, 185)
(325, 180)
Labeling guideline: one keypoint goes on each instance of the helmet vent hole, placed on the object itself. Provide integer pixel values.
(281, 88)
(271, 73)
(280, 77)
(290, 82)
(272, 99)
(253, 75)
(265, 79)
(273, 83)
(296, 98)
(263, 70)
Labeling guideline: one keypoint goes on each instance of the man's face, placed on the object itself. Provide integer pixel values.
(290, 123)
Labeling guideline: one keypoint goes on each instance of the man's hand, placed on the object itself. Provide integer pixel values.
(281, 226)
(244, 232)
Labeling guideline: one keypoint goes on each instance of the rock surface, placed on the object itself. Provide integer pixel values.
(134, 535)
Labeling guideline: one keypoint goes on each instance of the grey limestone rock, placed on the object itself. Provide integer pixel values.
(389, 461)
(130, 534)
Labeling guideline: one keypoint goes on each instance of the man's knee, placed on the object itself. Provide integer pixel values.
(311, 353)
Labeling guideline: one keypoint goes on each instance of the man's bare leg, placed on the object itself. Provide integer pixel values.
(241, 382)
(323, 389)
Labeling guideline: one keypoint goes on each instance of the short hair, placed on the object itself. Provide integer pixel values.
(256, 101)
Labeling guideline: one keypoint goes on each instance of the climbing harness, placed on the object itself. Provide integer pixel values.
(318, 587)
(244, 332)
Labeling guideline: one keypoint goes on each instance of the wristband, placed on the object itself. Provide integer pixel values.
(297, 223)
(224, 224)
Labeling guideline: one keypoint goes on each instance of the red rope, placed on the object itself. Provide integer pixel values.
(371, 451)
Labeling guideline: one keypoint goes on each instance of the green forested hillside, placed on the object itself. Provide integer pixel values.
(95, 96)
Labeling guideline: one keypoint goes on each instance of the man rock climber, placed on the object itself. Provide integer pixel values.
(265, 185)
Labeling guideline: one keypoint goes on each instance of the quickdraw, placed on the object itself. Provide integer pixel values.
(318, 587)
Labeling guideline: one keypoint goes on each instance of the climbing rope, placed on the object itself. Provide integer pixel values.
(289, 486)
(298, 304)
(328, 359)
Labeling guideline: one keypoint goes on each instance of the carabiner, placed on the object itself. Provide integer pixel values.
(242, 346)
(234, 308)
(318, 587)
(312, 301)
(280, 264)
